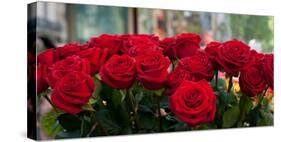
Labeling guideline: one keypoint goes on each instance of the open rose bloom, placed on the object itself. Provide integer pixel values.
(120, 84)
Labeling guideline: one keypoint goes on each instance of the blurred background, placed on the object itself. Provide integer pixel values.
(61, 23)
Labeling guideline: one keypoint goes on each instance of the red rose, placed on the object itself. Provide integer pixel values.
(152, 70)
(131, 40)
(68, 50)
(41, 74)
(267, 67)
(256, 57)
(96, 57)
(136, 45)
(141, 41)
(143, 50)
(63, 67)
(175, 78)
(251, 80)
(168, 45)
(194, 102)
(48, 57)
(233, 55)
(199, 66)
(186, 44)
(118, 72)
(112, 42)
(72, 92)
(212, 50)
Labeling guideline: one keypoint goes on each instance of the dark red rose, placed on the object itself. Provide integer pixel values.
(168, 45)
(256, 57)
(65, 66)
(131, 40)
(68, 50)
(143, 50)
(96, 57)
(112, 42)
(186, 45)
(251, 80)
(233, 55)
(212, 50)
(141, 41)
(199, 66)
(41, 74)
(267, 67)
(175, 78)
(118, 72)
(194, 102)
(48, 57)
(72, 92)
(152, 70)
(153, 37)
(136, 45)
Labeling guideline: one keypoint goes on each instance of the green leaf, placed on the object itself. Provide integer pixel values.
(98, 87)
(85, 127)
(180, 127)
(68, 134)
(264, 102)
(202, 127)
(88, 107)
(106, 91)
(221, 84)
(69, 122)
(107, 122)
(144, 108)
(166, 124)
(147, 101)
(93, 101)
(148, 120)
(172, 118)
(254, 117)
(139, 96)
(245, 104)
(226, 98)
(159, 92)
(97, 76)
(164, 103)
(49, 123)
(44, 93)
(126, 131)
(117, 98)
(230, 117)
(266, 118)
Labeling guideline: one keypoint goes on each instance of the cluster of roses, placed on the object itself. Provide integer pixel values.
(175, 63)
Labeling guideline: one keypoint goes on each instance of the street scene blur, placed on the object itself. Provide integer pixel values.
(61, 23)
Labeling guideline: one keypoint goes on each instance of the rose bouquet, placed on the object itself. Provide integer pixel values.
(133, 84)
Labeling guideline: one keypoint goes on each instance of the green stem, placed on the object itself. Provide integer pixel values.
(102, 128)
(229, 84)
(50, 102)
(135, 111)
(159, 114)
(242, 114)
(216, 77)
(92, 129)
(261, 98)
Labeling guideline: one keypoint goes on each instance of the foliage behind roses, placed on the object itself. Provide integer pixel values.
(127, 84)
